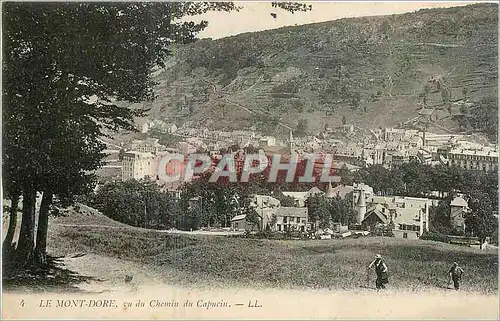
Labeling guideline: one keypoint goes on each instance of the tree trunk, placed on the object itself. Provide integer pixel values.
(9, 238)
(43, 224)
(26, 241)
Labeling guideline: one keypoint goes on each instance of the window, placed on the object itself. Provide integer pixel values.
(284, 219)
(292, 219)
(405, 235)
(235, 225)
(303, 221)
(302, 229)
(279, 227)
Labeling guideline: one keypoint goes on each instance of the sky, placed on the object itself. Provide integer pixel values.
(256, 15)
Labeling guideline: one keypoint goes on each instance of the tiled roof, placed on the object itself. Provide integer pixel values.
(376, 211)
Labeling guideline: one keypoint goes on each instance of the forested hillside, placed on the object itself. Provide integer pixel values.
(375, 71)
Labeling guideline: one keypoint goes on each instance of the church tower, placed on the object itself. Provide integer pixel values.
(329, 190)
(361, 207)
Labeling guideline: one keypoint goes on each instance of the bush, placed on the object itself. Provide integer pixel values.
(382, 230)
(435, 236)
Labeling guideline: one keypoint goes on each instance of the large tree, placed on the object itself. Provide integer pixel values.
(66, 67)
(480, 221)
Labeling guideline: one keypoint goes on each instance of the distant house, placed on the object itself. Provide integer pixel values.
(170, 128)
(393, 203)
(186, 148)
(292, 219)
(347, 129)
(458, 208)
(265, 206)
(408, 223)
(377, 214)
(138, 165)
(339, 191)
(301, 197)
(148, 145)
(240, 223)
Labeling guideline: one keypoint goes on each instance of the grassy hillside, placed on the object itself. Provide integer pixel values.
(335, 264)
(373, 70)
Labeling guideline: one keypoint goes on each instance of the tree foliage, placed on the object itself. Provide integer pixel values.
(323, 210)
(66, 68)
(414, 179)
(483, 117)
(480, 221)
(136, 203)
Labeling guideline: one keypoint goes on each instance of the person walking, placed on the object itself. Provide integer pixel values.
(381, 272)
(455, 273)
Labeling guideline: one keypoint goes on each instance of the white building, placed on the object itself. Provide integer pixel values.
(367, 192)
(138, 165)
(410, 207)
(149, 145)
(482, 159)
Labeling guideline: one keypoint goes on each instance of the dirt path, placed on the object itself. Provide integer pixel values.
(148, 286)
(151, 230)
(365, 303)
(112, 272)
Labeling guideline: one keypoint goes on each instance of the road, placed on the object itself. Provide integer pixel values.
(198, 232)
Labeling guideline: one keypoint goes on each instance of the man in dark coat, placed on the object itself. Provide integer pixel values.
(381, 271)
(456, 274)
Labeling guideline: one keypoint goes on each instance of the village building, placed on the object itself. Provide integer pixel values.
(406, 213)
(408, 223)
(266, 207)
(301, 197)
(376, 214)
(144, 128)
(458, 209)
(367, 193)
(138, 165)
(292, 219)
(240, 223)
(149, 145)
(339, 191)
(352, 154)
(481, 159)
(186, 148)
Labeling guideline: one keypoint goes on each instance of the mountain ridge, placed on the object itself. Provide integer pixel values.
(373, 71)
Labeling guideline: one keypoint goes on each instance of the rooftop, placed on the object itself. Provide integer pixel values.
(377, 211)
(292, 211)
(139, 154)
(239, 217)
(459, 201)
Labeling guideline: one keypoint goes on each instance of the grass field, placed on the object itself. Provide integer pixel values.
(335, 264)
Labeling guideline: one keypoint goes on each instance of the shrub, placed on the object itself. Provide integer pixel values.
(435, 236)
(382, 230)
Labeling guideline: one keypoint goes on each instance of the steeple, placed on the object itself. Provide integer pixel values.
(361, 198)
(361, 206)
(329, 190)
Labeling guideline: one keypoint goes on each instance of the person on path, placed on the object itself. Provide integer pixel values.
(455, 273)
(381, 271)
